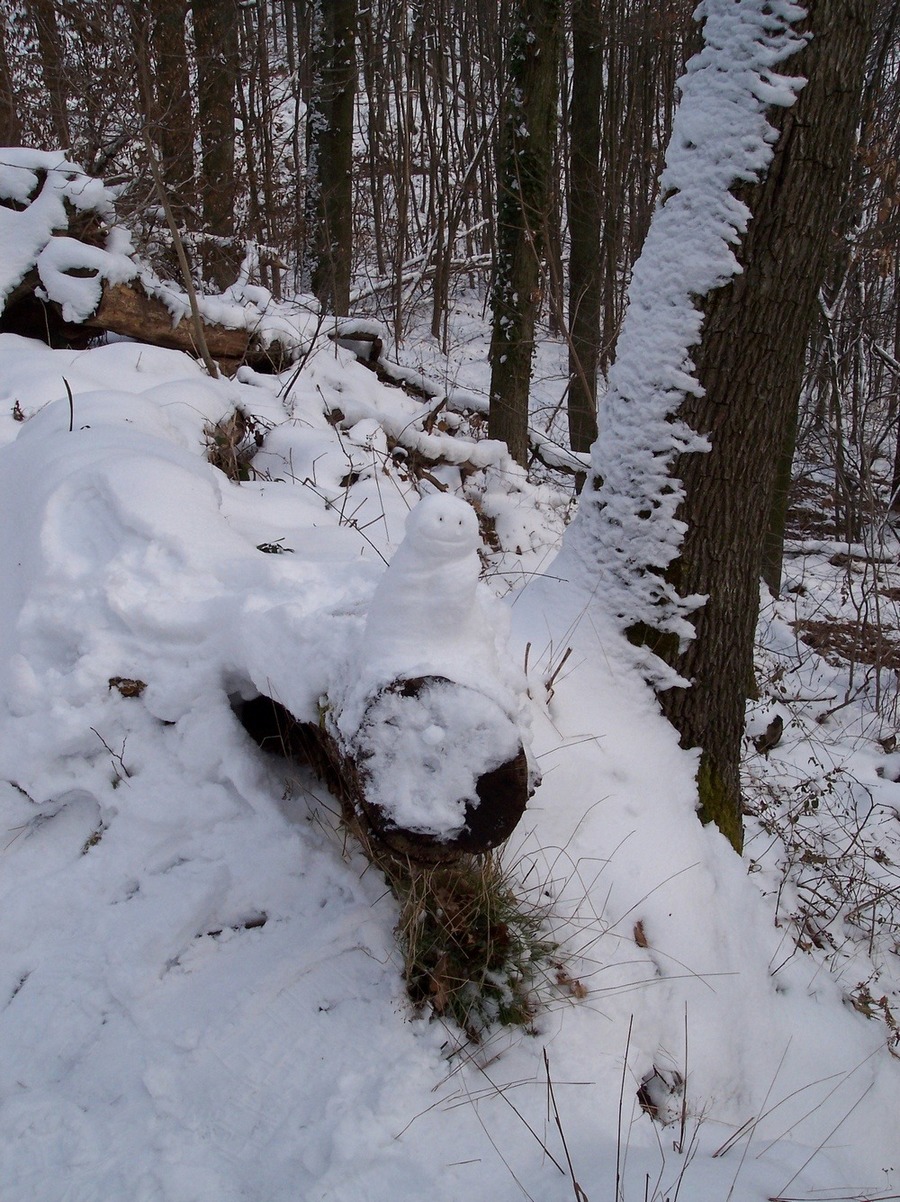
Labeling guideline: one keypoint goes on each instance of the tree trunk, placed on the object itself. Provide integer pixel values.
(43, 13)
(585, 224)
(524, 191)
(750, 362)
(330, 155)
(773, 547)
(171, 126)
(216, 47)
(10, 124)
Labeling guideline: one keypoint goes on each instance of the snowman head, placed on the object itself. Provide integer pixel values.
(442, 527)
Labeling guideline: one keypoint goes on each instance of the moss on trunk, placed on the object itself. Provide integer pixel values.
(717, 803)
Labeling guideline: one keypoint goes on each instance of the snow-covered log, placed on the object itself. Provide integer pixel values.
(490, 804)
(128, 310)
(421, 737)
(68, 273)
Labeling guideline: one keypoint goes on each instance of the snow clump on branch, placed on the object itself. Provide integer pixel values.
(40, 191)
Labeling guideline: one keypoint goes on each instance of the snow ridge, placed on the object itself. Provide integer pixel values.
(626, 532)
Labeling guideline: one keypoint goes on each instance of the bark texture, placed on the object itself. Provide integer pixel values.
(330, 156)
(10, 125)
(585, 224)
(171, 125)
(526, 159)
(216, 48)
(50, 43)
(750, 363)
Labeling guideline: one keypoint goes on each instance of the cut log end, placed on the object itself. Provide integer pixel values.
(502, 792)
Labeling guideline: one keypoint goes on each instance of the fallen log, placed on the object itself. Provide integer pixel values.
(420, 736)
(488, 817)
(127, 310)
(70, 276)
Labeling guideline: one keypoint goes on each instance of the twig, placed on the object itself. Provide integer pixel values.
(619, 1193)
(196, 319)
(116, 755)
(580, 1195)
(71, 405)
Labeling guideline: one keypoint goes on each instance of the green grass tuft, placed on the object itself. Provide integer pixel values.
(473, 951)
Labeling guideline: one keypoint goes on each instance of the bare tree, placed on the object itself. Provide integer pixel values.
(216, 50)
(10, 125)
(585, 223)
(46, 22)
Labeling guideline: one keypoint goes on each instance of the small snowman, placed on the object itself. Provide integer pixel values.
(425, 613)
(432, 707)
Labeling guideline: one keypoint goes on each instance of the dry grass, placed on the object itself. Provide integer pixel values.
(231, 444)
(473, 952)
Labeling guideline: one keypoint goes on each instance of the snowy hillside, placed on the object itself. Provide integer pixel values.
(200, 991)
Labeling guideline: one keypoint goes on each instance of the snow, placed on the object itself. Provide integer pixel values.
(422, 755)
(425, 617)
(200, 988)
(46, 185)
(720, 136)
(200, 993)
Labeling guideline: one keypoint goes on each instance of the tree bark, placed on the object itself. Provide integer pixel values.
(750, 362)
(524, 191)
(172, 127)
(585, 224)
(330, 156)
(10, 125)
(216, 47)
(44, 15)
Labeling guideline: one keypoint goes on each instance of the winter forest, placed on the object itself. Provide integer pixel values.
(449, 600)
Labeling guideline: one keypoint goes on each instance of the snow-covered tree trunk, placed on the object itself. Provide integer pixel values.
(524, 189)
(683, 475)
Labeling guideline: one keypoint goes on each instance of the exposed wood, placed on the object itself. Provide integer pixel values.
(127, 310)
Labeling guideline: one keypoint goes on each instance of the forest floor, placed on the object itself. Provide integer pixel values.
(201, 991)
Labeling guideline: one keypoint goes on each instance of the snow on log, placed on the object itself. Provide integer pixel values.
(428, 715)
(488, 805)
(422, 739)
(68, 273)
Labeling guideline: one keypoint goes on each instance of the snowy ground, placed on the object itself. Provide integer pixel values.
(200, 993)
